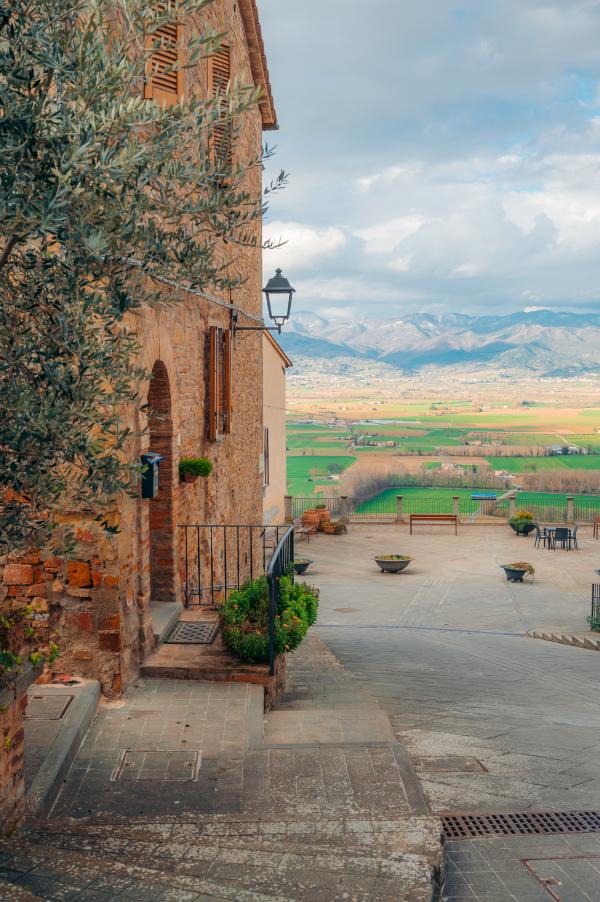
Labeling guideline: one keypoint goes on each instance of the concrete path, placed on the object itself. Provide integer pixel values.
(494, 721)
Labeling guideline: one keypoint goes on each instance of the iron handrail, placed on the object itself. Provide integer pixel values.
(280, 564)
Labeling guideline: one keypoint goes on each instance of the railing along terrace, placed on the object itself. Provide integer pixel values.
(281, 565)
(387, 507)
(220, 559)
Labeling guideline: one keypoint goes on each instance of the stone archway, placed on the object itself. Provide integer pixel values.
(162, 525)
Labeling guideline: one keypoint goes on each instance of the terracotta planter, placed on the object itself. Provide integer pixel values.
(329, 529)
(189, 477)
(324, 516)
(311, 517)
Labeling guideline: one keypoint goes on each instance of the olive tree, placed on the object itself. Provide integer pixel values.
(103, 197)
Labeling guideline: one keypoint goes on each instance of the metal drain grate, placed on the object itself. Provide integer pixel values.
(193, 632)
(538, 823)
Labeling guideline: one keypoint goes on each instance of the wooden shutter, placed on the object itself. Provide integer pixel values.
(162, 85)
(227, 360)
(219, 383)
(219, 76)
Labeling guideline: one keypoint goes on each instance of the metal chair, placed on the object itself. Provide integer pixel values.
(574, 536)
(540, 536)
(562, 536)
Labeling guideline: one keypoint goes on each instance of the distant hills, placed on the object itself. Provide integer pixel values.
(539, 342)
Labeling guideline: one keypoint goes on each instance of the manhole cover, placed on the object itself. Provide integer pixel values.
(572, 872)
(47, 707)
(135, 765)
(538, 823)
(191, 632)
(450, 764)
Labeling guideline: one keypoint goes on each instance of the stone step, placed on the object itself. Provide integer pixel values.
(51, 871)
(420, 835)
(164, 615)
(11, 892)
(291, 859)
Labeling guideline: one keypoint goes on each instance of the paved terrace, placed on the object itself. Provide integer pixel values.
(493, 720)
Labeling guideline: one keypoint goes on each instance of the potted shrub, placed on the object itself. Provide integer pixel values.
(522, 523)
(244, 618)
(392, 563)
(301, 565)
(190, 468)
(516, 571)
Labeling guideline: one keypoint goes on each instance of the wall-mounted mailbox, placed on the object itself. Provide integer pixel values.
(150, 474)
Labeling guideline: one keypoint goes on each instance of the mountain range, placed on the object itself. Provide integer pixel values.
(540, 342)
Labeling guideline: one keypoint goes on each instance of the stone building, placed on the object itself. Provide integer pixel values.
(206, 398)
(275, 364)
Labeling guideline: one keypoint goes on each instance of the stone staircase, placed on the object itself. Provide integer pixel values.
(315, 801)
(224, 857)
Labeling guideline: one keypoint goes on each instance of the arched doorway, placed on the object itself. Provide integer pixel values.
(163, 554)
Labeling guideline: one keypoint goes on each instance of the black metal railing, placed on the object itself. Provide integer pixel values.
(219, 559)
(281, 564)
(595, 600)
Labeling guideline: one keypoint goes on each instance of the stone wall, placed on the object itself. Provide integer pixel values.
(12, 751)
(97, 601)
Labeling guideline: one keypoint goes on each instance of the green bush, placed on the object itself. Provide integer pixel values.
(195, 466)
(594, 623)
(245, 621)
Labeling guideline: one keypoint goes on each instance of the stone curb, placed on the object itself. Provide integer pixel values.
(587, 642)
(61, 754)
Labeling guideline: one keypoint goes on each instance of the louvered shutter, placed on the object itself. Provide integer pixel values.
(227, 393)
(213, 384)
(161, 84)
(219, 72)
(219, 383)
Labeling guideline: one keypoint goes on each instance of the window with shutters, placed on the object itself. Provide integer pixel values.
(219, 383)
(219, 76)
(164, 84)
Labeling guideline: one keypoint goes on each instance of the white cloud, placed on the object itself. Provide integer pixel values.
(384, 237)
(304, 246)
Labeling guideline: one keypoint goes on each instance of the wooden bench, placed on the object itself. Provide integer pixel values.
(434, 518)
(303, 531)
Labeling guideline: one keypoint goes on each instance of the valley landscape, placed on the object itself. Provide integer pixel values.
(373, 429)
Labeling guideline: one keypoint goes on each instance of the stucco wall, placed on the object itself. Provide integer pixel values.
(274, 367)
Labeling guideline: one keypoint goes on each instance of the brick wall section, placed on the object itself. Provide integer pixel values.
(98, 602)
(12, 750)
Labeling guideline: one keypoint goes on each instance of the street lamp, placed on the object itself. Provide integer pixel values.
(279, 294)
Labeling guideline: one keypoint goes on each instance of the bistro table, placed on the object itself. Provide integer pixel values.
(551, 534)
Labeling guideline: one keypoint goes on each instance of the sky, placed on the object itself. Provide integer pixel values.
(443, 156)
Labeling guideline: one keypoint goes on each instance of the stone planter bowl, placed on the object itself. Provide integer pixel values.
(514, 576)
(523, 529)
(392, 566)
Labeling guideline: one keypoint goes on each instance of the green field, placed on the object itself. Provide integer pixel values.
(535, 464)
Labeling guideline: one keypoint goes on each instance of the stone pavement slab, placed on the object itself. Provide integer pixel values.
(56, 721)
(565, 868)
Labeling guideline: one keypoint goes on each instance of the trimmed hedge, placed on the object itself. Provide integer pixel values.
(245, 624)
